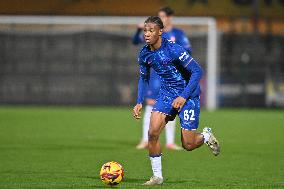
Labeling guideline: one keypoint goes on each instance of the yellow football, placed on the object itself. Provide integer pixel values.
(111, 173)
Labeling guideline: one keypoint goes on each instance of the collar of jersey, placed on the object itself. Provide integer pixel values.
(164, 40)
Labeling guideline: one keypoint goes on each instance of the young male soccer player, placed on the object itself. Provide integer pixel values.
(179, 94)
(174, 34)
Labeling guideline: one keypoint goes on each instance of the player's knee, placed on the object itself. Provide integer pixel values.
(153, 135)
(188, 146)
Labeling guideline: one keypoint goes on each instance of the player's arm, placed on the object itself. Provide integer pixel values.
(196, 73)
(138, 36)
(194, 68)
(142, 85)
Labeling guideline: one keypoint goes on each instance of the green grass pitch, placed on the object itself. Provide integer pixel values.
(57, 147)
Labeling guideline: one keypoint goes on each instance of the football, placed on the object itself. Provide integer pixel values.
(111, 173)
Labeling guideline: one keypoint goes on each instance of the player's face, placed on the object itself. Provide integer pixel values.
(152, 32)
(167, 20)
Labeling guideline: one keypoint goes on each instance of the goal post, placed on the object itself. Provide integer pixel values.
(103, 21)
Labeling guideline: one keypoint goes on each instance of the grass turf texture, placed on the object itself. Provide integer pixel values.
(48, 147)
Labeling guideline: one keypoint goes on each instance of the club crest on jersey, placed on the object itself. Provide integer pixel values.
(183, 56)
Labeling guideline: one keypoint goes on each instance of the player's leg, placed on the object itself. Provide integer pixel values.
(170, 136)
(191, 139)
(189, 120)
(157, 123)
(146, 122)
(160, 116)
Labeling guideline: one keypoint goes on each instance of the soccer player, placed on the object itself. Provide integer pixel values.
(179, 94)
(178, 36)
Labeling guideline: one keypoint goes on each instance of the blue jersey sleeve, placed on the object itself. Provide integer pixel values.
(143, 80)
(138, 37)
(183, 41)
(192, 66)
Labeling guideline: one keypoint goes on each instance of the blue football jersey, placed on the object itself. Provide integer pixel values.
(175, 67)
(175, 35)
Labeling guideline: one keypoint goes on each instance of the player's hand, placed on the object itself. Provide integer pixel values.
(178, 103)
(137, 111)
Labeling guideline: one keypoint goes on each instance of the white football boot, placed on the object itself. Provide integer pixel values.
(212, 143)
(154, 180)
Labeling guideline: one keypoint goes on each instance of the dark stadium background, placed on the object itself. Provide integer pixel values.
(45, 68)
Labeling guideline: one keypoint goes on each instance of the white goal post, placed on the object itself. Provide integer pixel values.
(212, 46)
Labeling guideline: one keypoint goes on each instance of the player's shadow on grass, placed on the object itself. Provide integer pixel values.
(130, 180)
(135, 180)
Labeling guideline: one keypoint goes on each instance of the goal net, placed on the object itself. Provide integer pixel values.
(87, 60)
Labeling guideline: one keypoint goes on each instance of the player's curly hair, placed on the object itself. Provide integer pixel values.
(156, 20)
